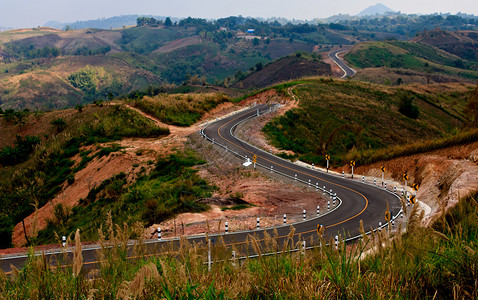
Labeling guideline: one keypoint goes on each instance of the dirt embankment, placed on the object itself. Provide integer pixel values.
(444, 175)
(251, 131)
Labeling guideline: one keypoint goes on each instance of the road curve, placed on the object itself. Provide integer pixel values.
(358, 201)
(348, 72)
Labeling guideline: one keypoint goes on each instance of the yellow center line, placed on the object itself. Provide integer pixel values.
(352, 190)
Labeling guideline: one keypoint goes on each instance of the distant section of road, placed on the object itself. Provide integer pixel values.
(348, 72)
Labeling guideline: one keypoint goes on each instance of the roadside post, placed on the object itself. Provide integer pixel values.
(405, 177)
(352, 164)
(327, 157)
(382, 169)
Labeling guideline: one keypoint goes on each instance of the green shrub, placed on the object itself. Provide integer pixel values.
(59, 124)
(24, 146)
(407, 108)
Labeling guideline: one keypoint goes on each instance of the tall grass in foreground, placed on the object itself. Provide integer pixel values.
(437, 262)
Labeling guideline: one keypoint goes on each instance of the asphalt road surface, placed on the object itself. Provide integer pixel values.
(348, 72)
(356, 201)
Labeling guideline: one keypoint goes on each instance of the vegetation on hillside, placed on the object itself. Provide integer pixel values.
(179, 109)
(30, 184)
(351, 119)
(172, 187)
(439, 261)
(413, 56)
(283, 69)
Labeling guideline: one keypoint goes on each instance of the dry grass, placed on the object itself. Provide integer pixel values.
(179, 109)
(415, 265)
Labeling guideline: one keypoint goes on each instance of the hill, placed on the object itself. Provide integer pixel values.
(283, 69)
(80, 153)
(463, 44)
(345, 119)
(412, 56)
(69, 80)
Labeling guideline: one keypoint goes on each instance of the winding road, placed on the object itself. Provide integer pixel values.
(356, 201)
(348, 72)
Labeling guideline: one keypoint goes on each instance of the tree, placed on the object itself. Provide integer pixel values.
(407, 108)
(168, 22)
(259, 66)
(472, 108)
(255, 41)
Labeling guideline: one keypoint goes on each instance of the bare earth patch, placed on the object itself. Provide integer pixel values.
(270, 197)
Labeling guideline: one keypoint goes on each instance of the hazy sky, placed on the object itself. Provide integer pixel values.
(32, 13)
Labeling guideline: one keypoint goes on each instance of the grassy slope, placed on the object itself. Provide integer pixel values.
(342, 117)
(179, 109)
(412, 56)
(462, 43)
(46, 86)
(172, 187)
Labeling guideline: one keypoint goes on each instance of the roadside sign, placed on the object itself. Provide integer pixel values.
(327, 156)
(320, 229)
(405, 176)
(254, 159)
(413, 199)
(352, 163)
(415, 186)
(387, 216)
(382, 169)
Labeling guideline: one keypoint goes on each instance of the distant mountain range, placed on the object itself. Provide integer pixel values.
(104, 23)
(377, 9)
